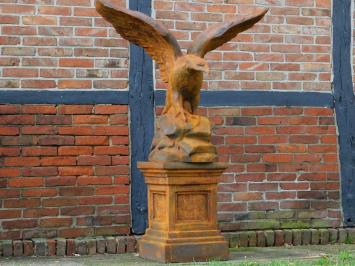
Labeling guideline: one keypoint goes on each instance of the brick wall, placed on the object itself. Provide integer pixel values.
(62, 44)
(284, 167)
(64, 171)
(288, 50)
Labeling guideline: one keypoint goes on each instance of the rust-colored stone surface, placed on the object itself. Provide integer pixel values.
(182, 212)
(181, 135)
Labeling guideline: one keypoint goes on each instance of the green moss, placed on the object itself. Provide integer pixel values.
(295, 224)
(264, 224)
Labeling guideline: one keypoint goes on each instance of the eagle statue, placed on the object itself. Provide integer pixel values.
(181, 134)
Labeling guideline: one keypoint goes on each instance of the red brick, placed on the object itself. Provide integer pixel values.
(278, 158)
(58, 161)
(76, 130)
(53, 119)
(91, 140)
(60, 181)
(10, 214)
(75, 109)
(75, 62)
(39, 151)
(75, 232)
(40, 192)
(231, 207)
(17, 120)
(111, 170)
(39, 84)
(55, 222)
(94, 180)
(90, 119)
(294, 186)
(119, 140)
(112, 190)
(9, 109)
(39, 109)
(75, 170)
(9, 172)
(21, 203)
(9, 193)
(39, 130)
(111, 130)
(247, 196)
(75, 211)
(56, 140)
(94, 160)
(58, 202)
(20, 161)
(54, 10)
(20, 72)
(111, 150)
(280, 195)
(263, 206)
(9, 131)
(13, 151)
(74, 150)
(111, 109)
(25, 182)
(19, 224)
(40, 171)
(95, 200)
(74, 84)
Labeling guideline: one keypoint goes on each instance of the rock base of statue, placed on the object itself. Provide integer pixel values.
(182, 210)
(182, 137)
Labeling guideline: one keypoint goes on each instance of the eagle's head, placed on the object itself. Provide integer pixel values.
(193, 62)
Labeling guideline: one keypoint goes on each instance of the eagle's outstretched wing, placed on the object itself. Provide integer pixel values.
(221, 33)
(143, 31)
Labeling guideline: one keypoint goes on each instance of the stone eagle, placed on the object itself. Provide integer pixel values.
(183, 73)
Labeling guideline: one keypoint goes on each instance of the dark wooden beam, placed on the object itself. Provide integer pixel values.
(344, 104)
(258, 98)
(141, 103)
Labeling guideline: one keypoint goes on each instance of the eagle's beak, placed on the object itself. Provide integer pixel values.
(203, 67)
(206, 69)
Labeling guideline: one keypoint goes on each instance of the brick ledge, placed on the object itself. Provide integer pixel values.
(128, 244)
(295, 237)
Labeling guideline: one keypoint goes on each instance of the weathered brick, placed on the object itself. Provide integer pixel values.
(100, 245)
(81, 247)
(111, 245)
(40, 246)
(261, 239)
(7, 248)
(18, 248)
(91, 246)
(51, 243)
(61, 246)
(315, 237)
(28, 248)
(121, 245)
(270, 238)
(342, 235)
(70, 247)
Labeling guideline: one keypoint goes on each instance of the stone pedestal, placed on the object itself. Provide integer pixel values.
(182, 209)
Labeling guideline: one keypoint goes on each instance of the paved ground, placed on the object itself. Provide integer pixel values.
(237, 256)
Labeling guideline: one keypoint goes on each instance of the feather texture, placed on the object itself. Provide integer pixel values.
(143, 31)
(221, 33)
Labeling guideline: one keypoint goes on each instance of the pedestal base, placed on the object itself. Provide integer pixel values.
(182, 200)
(183, 252)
